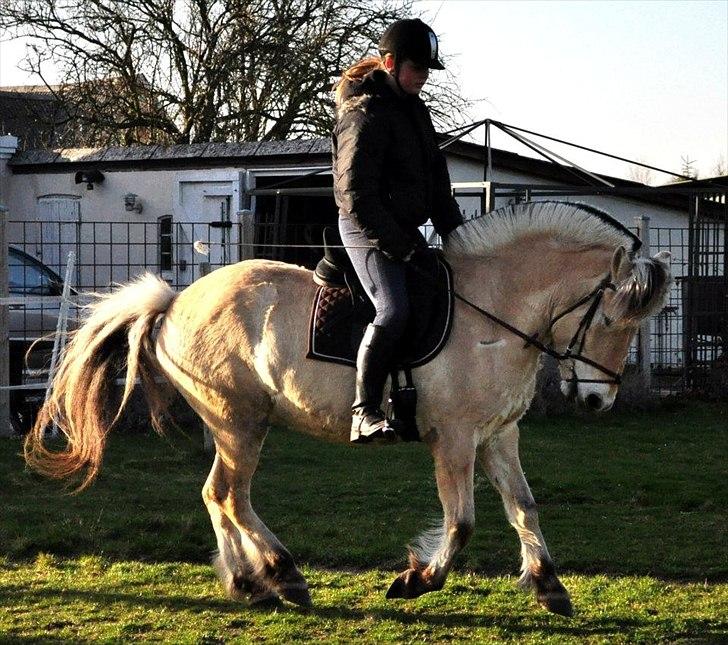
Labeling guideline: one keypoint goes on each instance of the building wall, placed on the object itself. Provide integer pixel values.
(113, 244)
(195, 197)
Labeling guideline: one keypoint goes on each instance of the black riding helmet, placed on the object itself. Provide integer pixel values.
(411, 39)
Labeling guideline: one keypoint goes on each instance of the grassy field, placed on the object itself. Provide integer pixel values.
(632, 508)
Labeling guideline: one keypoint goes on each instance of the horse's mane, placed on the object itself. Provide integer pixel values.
(572, 224)
(642, 293)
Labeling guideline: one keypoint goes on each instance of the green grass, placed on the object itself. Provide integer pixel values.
(92, 599)
(632, 508)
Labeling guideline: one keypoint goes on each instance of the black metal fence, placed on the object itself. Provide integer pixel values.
(687, 337)
(103, 254)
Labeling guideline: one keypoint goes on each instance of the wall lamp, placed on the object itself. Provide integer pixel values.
(89, 177)
(132, 203)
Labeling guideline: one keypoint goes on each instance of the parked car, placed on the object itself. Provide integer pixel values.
(29, 277)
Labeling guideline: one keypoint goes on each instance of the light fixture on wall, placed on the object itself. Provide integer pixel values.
(89, 177)
(132, 202)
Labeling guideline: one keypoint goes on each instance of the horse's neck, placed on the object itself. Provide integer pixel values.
(526, 283)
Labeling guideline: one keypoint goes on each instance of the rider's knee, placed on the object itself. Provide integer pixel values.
(394, 319)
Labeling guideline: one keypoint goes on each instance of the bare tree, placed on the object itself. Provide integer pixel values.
(187, 71)
(720, 169)
(641, 174)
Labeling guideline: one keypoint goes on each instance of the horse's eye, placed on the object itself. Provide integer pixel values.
(607, 321)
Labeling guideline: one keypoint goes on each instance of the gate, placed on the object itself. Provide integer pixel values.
(705, 295)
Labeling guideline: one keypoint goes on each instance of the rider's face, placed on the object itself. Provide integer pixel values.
(412, 76)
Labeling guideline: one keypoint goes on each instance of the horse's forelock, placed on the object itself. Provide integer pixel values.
(643, 293)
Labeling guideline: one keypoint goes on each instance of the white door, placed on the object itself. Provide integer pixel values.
(204, 226)
(57, 220)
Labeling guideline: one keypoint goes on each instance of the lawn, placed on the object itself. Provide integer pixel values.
(632, 507)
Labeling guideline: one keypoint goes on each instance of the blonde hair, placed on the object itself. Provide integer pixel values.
(356, 72)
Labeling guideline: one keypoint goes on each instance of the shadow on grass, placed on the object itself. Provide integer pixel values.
(525, 624)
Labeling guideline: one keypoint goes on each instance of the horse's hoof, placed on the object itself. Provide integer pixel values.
(408, 584)
(557, 602)
(265, 600)
(297, 593)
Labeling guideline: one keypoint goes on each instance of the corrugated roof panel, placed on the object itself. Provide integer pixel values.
(241, 149)
(130, 153)
(320, 146)
(180, 151)
(33, 157)
(300, 146)
(69, 155)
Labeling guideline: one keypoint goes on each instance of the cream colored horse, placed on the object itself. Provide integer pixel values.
(234, 344)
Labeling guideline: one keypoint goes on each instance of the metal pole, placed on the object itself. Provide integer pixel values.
(59, 340)
(645, 334)
(486, 198)
(207, 441)
(5, 427)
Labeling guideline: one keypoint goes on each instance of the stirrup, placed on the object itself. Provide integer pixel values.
(371, 426)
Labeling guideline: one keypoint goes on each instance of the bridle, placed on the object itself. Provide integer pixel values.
(579, 338)
(573, 351)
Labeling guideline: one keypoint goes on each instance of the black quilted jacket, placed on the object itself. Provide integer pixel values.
(389, 175)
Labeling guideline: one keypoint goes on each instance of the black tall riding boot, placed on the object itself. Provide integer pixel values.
(373, 363)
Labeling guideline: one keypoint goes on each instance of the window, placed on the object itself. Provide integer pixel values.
(165, 243)
(27, 277)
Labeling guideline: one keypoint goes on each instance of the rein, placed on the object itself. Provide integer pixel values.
(577, 340)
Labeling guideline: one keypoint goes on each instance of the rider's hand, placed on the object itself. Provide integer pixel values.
(402, 253)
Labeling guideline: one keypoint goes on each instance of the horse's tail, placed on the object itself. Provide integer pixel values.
(85, 377)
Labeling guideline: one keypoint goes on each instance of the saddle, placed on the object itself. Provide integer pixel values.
(341, 311)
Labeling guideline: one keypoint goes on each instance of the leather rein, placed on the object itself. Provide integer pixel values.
(575, 347)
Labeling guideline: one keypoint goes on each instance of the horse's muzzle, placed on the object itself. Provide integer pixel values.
(595, 402)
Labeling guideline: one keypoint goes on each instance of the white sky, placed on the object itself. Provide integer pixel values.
(646, 80)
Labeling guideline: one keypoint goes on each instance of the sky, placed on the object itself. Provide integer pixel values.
(646, 80)
(642, 79)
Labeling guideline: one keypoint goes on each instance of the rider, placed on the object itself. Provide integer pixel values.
(390, 177)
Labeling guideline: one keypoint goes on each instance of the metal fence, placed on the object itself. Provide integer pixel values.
(109, 253)
(106, 254)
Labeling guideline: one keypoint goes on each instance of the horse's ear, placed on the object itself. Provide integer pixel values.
(621, 264)
(663, 257)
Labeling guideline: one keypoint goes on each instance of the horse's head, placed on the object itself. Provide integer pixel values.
(601, 328)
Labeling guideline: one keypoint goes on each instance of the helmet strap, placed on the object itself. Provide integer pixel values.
(396, 74)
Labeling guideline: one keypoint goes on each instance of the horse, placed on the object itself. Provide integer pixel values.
(234, 344)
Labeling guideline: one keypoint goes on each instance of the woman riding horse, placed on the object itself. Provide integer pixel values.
(390, 177)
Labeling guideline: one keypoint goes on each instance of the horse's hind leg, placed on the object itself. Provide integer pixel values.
(265, 567)
(230, 562)
(499, 458)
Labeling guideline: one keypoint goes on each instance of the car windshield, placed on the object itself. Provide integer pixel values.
(26, 277)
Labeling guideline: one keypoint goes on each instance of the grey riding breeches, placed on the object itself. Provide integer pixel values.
(383, 279)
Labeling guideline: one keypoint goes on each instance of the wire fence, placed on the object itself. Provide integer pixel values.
(109, 253)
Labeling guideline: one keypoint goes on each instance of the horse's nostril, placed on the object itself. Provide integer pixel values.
(593, 402)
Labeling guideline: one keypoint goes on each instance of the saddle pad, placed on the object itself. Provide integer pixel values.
(338, 320)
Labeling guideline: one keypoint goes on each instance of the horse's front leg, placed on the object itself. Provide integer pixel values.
(499, 458)
(432, 554)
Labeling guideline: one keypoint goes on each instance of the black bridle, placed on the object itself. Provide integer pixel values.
(577, 341)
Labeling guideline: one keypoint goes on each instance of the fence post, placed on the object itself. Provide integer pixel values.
(5, 427)
(645, 335)
(488, 197)
(207, 442)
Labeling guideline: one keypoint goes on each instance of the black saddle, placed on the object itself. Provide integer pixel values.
(342, 310)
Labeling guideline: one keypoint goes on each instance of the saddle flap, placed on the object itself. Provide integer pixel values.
(338, 319)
